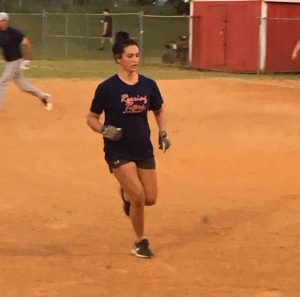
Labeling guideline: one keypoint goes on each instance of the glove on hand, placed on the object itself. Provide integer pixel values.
(111, 132)
(25, 64)
(163, 141)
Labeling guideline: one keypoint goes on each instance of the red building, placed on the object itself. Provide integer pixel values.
(244, 36)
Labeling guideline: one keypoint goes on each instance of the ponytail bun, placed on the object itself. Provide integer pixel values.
(122, 40)
(122, 37)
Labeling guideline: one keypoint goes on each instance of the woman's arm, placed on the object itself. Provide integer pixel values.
(93, 121)
(296, 50)
(160, 117)
(108, 131)
(163, 140)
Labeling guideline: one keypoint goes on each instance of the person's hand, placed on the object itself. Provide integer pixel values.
(111, 132)
(25, 64)
(163, 141)
(294, 56)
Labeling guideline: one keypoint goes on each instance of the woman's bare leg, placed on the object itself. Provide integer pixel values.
(127, 175)
(132, 180)
(149, 181)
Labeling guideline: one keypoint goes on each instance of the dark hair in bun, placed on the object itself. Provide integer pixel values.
(122, 40)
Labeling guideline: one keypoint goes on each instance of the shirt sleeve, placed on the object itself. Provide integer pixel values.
(156, 100)
(98, 102)
(19, 36)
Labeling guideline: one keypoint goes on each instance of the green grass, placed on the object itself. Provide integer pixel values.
(99, 69)
(86, 31)
(85, 28)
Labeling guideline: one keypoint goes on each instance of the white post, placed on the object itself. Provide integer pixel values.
(263, 36)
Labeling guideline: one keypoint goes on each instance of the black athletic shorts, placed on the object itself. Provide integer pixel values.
(144, 164)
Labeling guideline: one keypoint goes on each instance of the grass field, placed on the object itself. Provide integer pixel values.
(47, 33)
(92, 69)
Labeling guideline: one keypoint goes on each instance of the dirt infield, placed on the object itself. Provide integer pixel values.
(227, 219)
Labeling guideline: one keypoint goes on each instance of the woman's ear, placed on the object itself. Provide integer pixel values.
(118, 58)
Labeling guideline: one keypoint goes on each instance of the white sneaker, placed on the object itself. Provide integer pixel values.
(46, 101)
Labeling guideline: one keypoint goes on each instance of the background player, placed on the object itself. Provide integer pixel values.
(125, 99)
(296, 50)
(107, 28)
(11, 41)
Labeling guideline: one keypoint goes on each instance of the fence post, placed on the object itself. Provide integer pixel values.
(262, 41)
(44, 34)
(66, 35)
(87, 33)
(262, 46)
(141, 35)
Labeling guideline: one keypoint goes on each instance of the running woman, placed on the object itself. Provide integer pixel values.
(11, 41)
(125, 98)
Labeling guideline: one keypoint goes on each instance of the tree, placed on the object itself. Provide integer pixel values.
(182, 6)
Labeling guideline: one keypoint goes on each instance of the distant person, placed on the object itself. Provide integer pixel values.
(11, 41)
(107, 29)
(296, 50)
(125, 99)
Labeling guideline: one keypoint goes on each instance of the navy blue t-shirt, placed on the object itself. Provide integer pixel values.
(126, 106)
(10, 41)
(108, 19)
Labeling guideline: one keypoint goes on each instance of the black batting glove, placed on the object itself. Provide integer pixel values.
(111, 132)
(163, 141)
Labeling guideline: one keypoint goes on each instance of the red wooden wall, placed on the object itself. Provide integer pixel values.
(225, 35)
(282, 36)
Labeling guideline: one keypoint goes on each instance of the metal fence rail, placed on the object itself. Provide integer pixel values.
(77, 35)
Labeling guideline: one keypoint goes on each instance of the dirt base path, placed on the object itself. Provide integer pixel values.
(227, 219)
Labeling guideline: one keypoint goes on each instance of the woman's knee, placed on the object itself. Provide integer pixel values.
(150, 199)
(137, 198)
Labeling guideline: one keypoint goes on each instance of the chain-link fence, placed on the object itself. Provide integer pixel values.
(78, 36)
